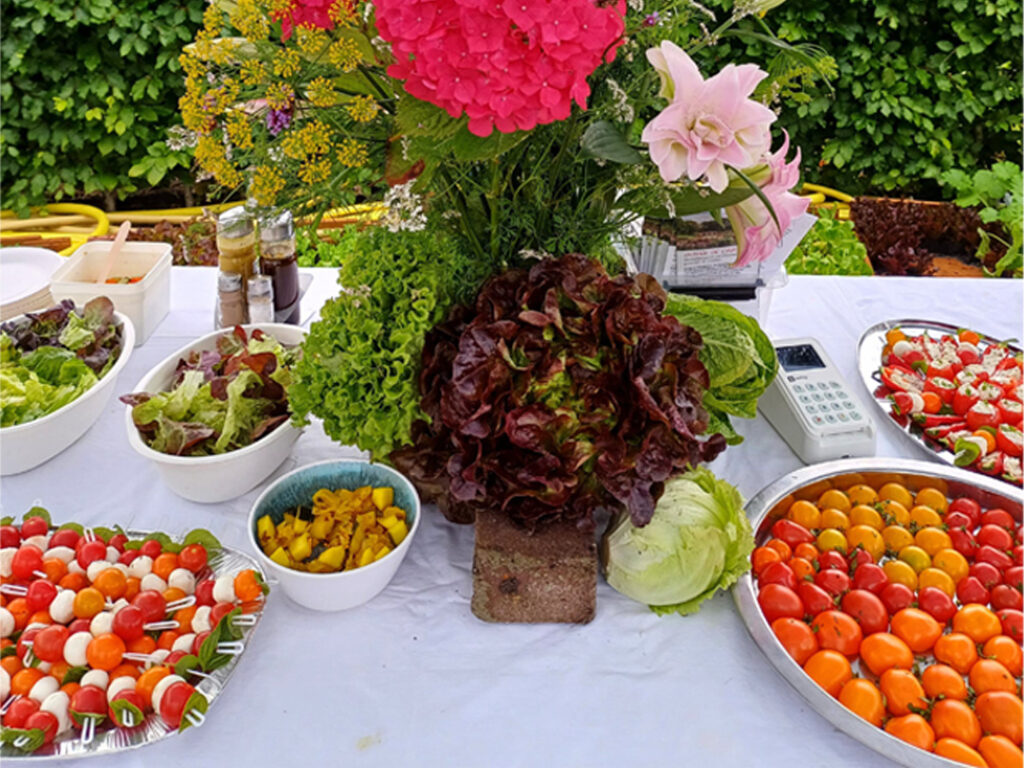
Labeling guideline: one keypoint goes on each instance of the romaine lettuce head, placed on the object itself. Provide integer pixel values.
(698, 541)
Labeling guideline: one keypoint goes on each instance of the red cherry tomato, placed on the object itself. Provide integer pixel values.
(867, 609)
(994, 536)
(1000, 560)
(79, 625)
(776, 602)
(860, 557)
(48, 644)
(832, 581)
(986, 573)
(65, 537)
(982, 414)
(1012, 623)
(219, 611)
(87, 700)
(9, 536)
(778, 573)
(117, 541)
(132, 698)
(936, 603)
(792, 533)
(40, 594)
(204, 592)
(172, 704)
(971, 590)
(814, 598)
(26, 561)
(127, 623)
(151, 548)
(870, 577)
(1014, 577)
(997, 516)
(152, 605)
(969, 507)
(192, 557)
(966, 397)
(28, 636)
(198, 642)
(833, 561)
(46, 722)
(91, 551)
(127, 556)
(895, 597)
(1005, 596)
(20, 711)
(796, 637)
(958, 520)
(34, 526)
(174, 657)
(963, 542)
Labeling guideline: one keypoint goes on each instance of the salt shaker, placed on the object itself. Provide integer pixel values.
(261, 299)
(230, 301)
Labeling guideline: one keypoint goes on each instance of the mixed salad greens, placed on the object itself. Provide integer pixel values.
(220, 400)
(50, 358)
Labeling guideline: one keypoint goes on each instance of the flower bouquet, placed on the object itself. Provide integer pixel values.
(505, 133)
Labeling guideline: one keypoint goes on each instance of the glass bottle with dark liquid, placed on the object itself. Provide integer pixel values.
(277, 261)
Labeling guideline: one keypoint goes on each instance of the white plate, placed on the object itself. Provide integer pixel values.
(25, 271)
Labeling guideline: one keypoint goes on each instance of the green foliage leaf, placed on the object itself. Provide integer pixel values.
(604, 141)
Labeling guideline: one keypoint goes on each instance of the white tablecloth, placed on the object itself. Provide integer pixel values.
(413, 678)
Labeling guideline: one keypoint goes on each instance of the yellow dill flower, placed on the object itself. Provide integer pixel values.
(251, 21)
(252, 72)
(213, 21)
(362, 109)
(293, 146)
(226, 174)
(343, 13)
(312, 41)
(265, 185)
(280, 96)
(353, 153)
(344, 54)
(315, 171)
(239, 130)
(191, 66)
(316, 136)
(192, 114)
(321, 93)
(286, 62)
(279, 9)
(210, 153)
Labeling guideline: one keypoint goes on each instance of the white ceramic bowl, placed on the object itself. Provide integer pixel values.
(25, 446)
(346, 589)
(210, 479)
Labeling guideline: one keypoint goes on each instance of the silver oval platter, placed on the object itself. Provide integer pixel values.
(772, 503)
(869, 363)
(111, 740)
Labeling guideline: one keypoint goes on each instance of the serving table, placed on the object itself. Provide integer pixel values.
(412, 678)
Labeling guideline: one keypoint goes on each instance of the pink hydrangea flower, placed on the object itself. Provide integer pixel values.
(709, 124)
(310, 13)
(752, 224)
(507, 64)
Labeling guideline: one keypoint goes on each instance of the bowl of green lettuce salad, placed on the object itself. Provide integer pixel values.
(214, 417)
(58, 368)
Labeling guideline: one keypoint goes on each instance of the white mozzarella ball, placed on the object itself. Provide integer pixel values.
(157, 656)
(201, 619)
(119, 605)
(6, 624)
(62, 608)
(6, 556)
(57, 704)
(161, 688)
(74, 567)
(36, 625)
(102, 623)
(140, 566)
(96, 567)
(152, 581)
(96, 677)
(44, 687)
(224, 589)
(74, 648)
(183, 579)
(121, 567)
(64, 554)
(119, 684)
(113, 555)
(45, 666)
(41, 540)
(184, 643)
(5, 684)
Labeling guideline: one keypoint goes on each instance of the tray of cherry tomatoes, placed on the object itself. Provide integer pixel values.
(954, 392)
(888, 593)
(112, 639)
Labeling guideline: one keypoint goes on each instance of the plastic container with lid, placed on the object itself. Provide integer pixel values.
(277, 261)
(145, 302)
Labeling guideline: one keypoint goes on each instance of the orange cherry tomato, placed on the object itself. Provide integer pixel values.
(954, 719)
(20, 611)
(932, 402)
(957, 650)
(882, 651)
(829, 669)
(989, 675)
(803, 569)
(902, 690)
(105, 651)
(58, 669)
(132, 587)
(124, 670)
(40, 617)
(74, 581)
(942, 680)
(166, 639)
(956, 750)
(23, 680)
(88, 602)
(784, 550)
(762, 557)
(184, 618)
(55, 569)
(11, 665)
(247, 586)
(1000, 752)
(806, 550)
(1006, 651)
(919, 630)
(164, 563)
(147, 681)
(796, 637)
(805, 513)
(977, 622)
(838, 631)
(70, 688)
(172, 593)
(1001, 713)
(968, 336)
(111, 582)
(912, 729)
(144, 644)
(861, 697)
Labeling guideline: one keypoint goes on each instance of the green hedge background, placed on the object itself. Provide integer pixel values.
(90, 89)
